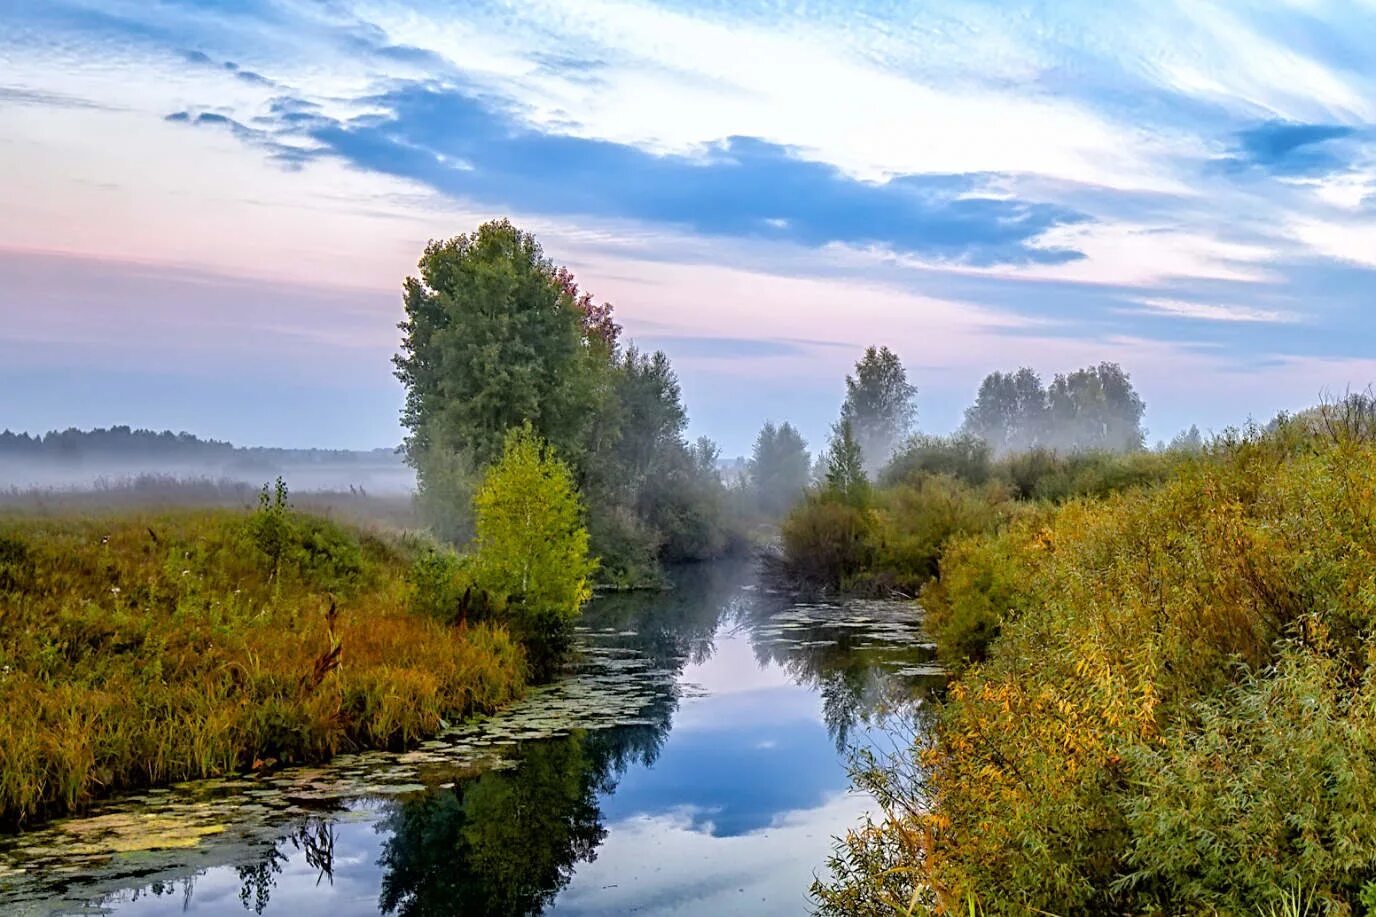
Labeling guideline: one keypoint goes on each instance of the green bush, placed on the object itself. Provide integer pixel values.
(438, 586)
(828, 541)
(1267, 787)
(915, 520)
(1171, 708)
(984, 581)
(965, 457)
(1041, 474)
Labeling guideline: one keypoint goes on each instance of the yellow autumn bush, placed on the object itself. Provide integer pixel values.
(1168, 704)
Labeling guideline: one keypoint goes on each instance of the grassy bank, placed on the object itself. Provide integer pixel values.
(1165, 702)
(138, 649)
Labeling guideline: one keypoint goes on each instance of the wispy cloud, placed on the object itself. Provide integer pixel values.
(1215, 312)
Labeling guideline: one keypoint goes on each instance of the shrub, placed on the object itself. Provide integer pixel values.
(1264, 788)
(984, 582)
(438, 586)
(964, 457)
(916, 519)
(1173, 708)
(827, 541)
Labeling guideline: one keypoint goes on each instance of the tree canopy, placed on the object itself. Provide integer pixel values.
(845, 474)
(497, 336)
(532, 548)
(494, 337)
(778, 469)
(1091, 409)
(880, 405)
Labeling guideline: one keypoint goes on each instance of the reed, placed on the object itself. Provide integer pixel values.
(145, 648)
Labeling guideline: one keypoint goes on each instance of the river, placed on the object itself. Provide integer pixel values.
(692, 761)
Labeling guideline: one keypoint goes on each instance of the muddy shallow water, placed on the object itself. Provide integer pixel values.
(693, 760)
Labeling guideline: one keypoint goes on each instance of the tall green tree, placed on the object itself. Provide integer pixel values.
(651, 417)
(1094, 409)
(778, 469)
(845, 476)
(880, 405)
(1009, 412)
(496, 336)
(531, 549)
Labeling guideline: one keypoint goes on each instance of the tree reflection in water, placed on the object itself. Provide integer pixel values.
(315, 838)
(506, 842)
(857, 671)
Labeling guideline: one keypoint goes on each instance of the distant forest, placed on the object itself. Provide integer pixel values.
(122, 443)
(85, 459)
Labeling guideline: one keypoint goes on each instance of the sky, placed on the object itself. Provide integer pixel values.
(208, 209)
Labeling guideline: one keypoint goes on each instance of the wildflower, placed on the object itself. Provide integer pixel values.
(114, 590)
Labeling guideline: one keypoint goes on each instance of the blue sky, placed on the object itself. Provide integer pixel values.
(209, 207)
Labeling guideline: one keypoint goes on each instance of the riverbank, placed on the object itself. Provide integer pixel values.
(141, 649)
(1165, 702)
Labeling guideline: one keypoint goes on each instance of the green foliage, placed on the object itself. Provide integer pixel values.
(779, 469)
(1265, 787)
(1095, 408)
(302, 545)
(440, 587)
(983, 582)
(1042, 474)
(845, 471)
(880, 405)
(491, 340)
(271, 525)
(916, 519)
(495, 337)
(1010, 412)
(963, 456)
(827, 541)
(531, 549)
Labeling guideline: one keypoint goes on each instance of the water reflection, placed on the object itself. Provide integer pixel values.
(506, 843)
(718, 792)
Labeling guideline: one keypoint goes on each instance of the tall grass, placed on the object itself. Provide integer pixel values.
(141, 648)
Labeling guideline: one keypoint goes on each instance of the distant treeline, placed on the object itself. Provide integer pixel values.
(138, 445)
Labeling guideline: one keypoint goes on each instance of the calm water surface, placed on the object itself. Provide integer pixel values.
(692, 762)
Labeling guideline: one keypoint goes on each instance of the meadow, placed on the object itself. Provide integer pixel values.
(141, 646)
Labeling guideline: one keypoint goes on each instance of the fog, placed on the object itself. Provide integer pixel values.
(118, 457)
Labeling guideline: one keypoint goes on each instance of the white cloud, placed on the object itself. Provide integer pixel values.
(1216, 312)
(1133, 254)
(1353, 241)
(671, 82)
(641, 864)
